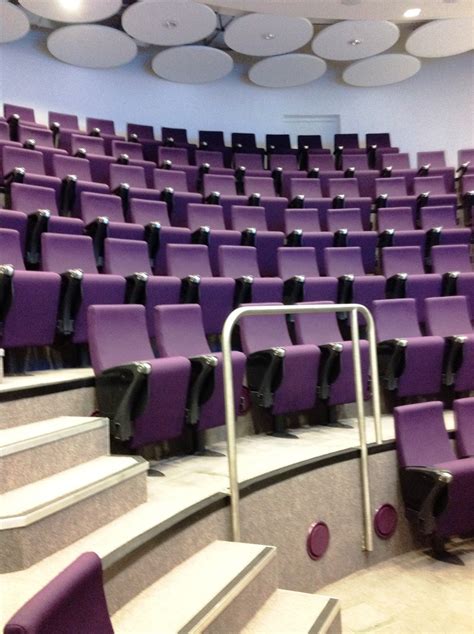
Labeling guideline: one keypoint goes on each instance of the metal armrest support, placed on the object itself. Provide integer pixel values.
(37, 224)
(329, 368)
(264, 374)
(167, 196)
(293, 290)
(386, 238)
(240, 172)
(295, 238)
(396, 286)
(248, 237)
(381, 201)
(340, 238)
(297, 202)
(467, 205)
(425, 494)
(13, 122)
(338, 201)
(97, 230)
(152, 235)
(214, 198)
(394, 366)
(338, 157)
(122, 395)
(450, 283)
(135, 288)
(7, 273)
(453, 358)
(243, 290)
(201, 235)
(345, 284)
(69, 300)
(190, 289)
(314, 172)
(277, 178)
(123, 191)
(68, 194)
(201, 385)
(462, 169)
(433, 238)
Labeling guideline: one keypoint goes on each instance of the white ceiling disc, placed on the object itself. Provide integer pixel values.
(355, 39)
(192, 64)
(169, 22)
(92, 46)
(73, 10)
(381, 70)
(285, 71)
(13, 23)
(442, 38)
(260, 35)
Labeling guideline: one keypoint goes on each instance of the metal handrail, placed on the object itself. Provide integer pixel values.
(353, 310)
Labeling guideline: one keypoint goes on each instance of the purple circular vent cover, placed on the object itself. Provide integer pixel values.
(317, 541)
(385, 521)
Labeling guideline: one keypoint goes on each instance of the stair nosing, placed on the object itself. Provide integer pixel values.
(73, 497)
(54, 436)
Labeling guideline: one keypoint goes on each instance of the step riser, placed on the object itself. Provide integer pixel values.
(20, 548)
(35, 463)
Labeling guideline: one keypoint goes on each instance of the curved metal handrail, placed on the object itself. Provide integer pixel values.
(353, 310)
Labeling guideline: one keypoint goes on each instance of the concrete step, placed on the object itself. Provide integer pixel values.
(45, 516)
(31, 452)
(296, 613)
(218, 589)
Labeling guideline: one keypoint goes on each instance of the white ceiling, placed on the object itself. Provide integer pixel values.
(283, 32)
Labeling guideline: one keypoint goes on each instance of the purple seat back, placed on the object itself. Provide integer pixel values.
(263, 332)
(68, 165)
(442, 216)
(279, 141)
(179, 331)
(357, 161)
(348, 218)
(212, 157)
(225, 185)
(248, 217)
(238, 261)
(310, 187)
(133, 150)
(245, 139)
(213, 138)
(312, 141)
(398, 160)
(142, 131)
(61, 252)
(465, 155)
(94, 205)
(395, 186)
(68, 121)
(344, 186)
(432, 184)
(402, 260)
(421, 437)
(106, 126)
(446, 316)
(10, 249)
(263, 185)
(125, 257)
(304, 219)
(451, 257)
(42, 136)
(170, 178)
(4, 131)
(248, 160)
(107, 325)
(91, 144)
(343, 261)
(179, 135)
(30, 198)
(187, 259)
(398, 218)
(144, 211)
(285, 161)
(317, 328)
(201, 215)
(380, 139)
(73, 602)
(25, 114)
(297, 261)
(464, 415)
(178, 156)
(434, 158)
(31, 160)
(323, 162)
(133, 175)
(396, 318)
(346, 140)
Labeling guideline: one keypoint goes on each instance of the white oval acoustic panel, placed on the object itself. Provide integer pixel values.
(73, 10)
(442, 38)
(381, 70)
(192, 64)
(169, 22)
(261, 35)
(355, 39)
(286, 71)
(91, 46)
(13, 23)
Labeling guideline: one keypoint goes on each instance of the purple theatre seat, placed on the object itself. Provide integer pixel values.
(174, 190)
(397, 228)
(221, 190)
(406, 277)
(26, 166)
(145, 135)
(392, 192)
(355, 286)
(248, 163)
(357, 166)
(251, 223)
(336, 369)
(467, 197)
(129, 259)
(103, 217)
(261, 192)
(434, 191)
(93, 149)
(71, 603)
(31, 135)
(410, 364)
(441, 226)
(303, 229)
(454, 264)
(279, 144)
(75, 174)
(179, 332)
(19, 114)
(73, 258)
(345, 193)
(282, 377)
(346, 225)
(176, 137)
(206, 223)
(211, 161)
(144, 397)
(172, 158)
(245, 142)
(128, 153)
(436, 487)
(129, 181)
(346, 143)
(29, 299)
(307, 193)
(153, 216)
(241, 264)
(105, 129)
(298, 268)
(63, 125)
(213, 140)
(40, 209)
(449, 317)
(434, 158)
(283, 167)
(190, 263)
(464, 415)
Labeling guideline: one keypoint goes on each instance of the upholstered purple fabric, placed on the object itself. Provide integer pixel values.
(245, 142)
(91, 144)
(134, 151)
(397, 319)
(435, 158)
(215, 159)
(451, 258)
(179, 135)
(25, 113)
(313, 142)
(134, 176)
(279, 144)
(351, 219)
(106, 126)
(64, 166)
(179, 159)
(72, 603)
(380, 139)
(273, 204)
(357, 161)
(146, 138)
(323, 162)
(285, 161)
(464, 415)
(444, 216)
(42, 136)
(32, 162)
(344, 261)
(17, 221)
(400, 220)
(225, 186)
(307, 220)
(349, 188)
(179, 331)
(10, 249)
(67, 121)
(436, 186)
(181, 196)
(94, 205)
(252, 162)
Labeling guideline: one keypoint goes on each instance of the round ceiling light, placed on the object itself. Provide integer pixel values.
(73, 10)
(355, 39)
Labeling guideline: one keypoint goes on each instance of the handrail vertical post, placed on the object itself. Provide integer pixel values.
(374, 376)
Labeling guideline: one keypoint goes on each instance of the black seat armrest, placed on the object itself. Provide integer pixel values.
(254, 199)
(293, 290)
(97, 230)
(248, 237)
(190, 289)
(152, 235)
(123, 191)
(70, 300)
(264, 374)
(381, 202)
(329, 368)
(395, 287)
(338, 201)
(240, 172)
(295, 238)
(243, 290)
(314, 172)
(425, 494)
(297, 202)
(450, 283)
(392, 361)
(36, 225)
(201, 235)
(453, 358)
(386, 238)
(277, 174)
(214, 198)
(135, 288)
(340, 238)
(68, 194)
(201, 385)
(7, 273)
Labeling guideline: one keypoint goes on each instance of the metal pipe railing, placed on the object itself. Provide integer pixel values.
(353, 310)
